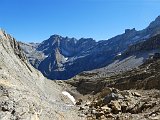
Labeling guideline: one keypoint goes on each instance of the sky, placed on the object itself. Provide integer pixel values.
(37, 20)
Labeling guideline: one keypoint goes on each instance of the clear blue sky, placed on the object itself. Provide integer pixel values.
(36, 20)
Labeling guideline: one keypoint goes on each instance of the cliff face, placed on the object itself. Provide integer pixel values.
(24, 92)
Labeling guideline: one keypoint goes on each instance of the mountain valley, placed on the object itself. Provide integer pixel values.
(65, 78)
(62, 58)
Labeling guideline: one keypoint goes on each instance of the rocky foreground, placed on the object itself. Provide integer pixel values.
(112, 104)
(133, 95)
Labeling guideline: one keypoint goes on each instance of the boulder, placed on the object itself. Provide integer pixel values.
(109, 115)
(124, 107)
(155, 118)
(99, 114)
(110, 97)
(116, 107)
(81, 108)
(106, 109)
(103, 117)
(136, 94)
(79, 102)
(126, 93)
(106, 91)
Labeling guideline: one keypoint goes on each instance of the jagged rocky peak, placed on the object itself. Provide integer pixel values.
(7, 38)
(86, 40)
(58, 38)
(158, 18)
(3, 34)
(155, 23)
(55, 37)
(130, 30)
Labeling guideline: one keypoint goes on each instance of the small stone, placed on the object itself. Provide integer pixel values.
(115, 90)
(136, 94)
(93, 111)
(106, 91)
(124, 107)
(153, 115)
(99, 114)
(81, 108)
(116, 107)
(103, 117)
(155, 118)
(81, 115)
(110, 97)
(109, 116)
(106, 109)
(126, 93)
(79, 102)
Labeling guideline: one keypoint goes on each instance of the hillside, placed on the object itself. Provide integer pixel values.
(134, 56)
(132, 95)
(24, 92)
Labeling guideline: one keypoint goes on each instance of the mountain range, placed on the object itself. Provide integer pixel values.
(62, 57)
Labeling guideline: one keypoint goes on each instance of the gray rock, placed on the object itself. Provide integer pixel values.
(110, 97)
(24, 92)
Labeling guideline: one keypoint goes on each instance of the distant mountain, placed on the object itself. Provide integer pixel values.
(134, 56)
(138, 64)
(62, 57)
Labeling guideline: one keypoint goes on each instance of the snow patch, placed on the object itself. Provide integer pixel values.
(69, 96)
(66, 58)
(46, 56)
(119, 54)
